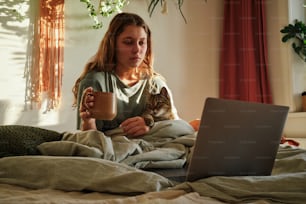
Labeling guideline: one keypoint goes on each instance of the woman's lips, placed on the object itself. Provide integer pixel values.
(135, 59)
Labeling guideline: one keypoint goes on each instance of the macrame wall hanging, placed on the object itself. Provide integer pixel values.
(45, 65)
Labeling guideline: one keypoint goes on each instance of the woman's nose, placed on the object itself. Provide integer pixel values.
(136, 48)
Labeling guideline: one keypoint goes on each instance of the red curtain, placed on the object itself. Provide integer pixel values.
(244, 61)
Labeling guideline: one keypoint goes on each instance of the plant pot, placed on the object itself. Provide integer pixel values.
(304, 101)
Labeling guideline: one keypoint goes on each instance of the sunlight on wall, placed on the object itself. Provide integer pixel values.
(13, 44)
(13, 52)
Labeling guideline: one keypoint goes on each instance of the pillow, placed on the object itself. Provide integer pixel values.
(18, 140)
(79, 174)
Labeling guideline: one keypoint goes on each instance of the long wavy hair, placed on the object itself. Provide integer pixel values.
(105, 57)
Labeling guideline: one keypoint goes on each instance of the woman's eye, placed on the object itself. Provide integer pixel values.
(131, 42)
(128, 42)
(142, 42)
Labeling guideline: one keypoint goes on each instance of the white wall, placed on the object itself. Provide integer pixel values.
(186, 54)
(296, 11)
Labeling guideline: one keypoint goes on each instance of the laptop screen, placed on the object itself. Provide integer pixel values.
(237, 138)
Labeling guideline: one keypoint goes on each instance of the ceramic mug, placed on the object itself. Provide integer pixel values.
(105, 105)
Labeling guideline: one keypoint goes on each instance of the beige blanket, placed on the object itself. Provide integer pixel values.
(84, 162)
(165, 146)
(287, 184)
(18, 195)
(78, 174)
(75, 179)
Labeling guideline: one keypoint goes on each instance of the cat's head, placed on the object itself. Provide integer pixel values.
(160, 104)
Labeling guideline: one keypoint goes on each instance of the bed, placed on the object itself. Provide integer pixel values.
(43, 166)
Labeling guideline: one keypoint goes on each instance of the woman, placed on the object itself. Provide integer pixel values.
(124, 62)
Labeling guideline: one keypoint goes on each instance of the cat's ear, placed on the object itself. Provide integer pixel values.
(164, 92)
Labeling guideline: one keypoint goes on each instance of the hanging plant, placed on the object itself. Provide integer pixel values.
(105, 9)
(297, 32)
(163, 4)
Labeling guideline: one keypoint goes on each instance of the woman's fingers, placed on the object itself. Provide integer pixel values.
(130, 121)
(87, 99)
(137, 131)
(86, 103)
(135, 126)
(85, 114)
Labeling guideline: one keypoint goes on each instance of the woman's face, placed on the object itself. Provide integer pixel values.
(131, 47)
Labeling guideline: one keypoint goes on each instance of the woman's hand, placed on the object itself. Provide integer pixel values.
(135, 127)
(88, 122)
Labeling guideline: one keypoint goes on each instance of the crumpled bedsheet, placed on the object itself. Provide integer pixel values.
(167, 145)
(91, 161)
(70, 179)
(287, 184)
(78, 174)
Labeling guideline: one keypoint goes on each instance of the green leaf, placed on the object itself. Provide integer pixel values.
(286, 38)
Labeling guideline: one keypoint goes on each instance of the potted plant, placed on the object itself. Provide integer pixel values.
(303, 101)
(297, 32)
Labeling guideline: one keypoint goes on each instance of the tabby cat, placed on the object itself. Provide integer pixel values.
(158, 108)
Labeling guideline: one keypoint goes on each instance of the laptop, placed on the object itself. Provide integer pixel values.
(235, 138)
